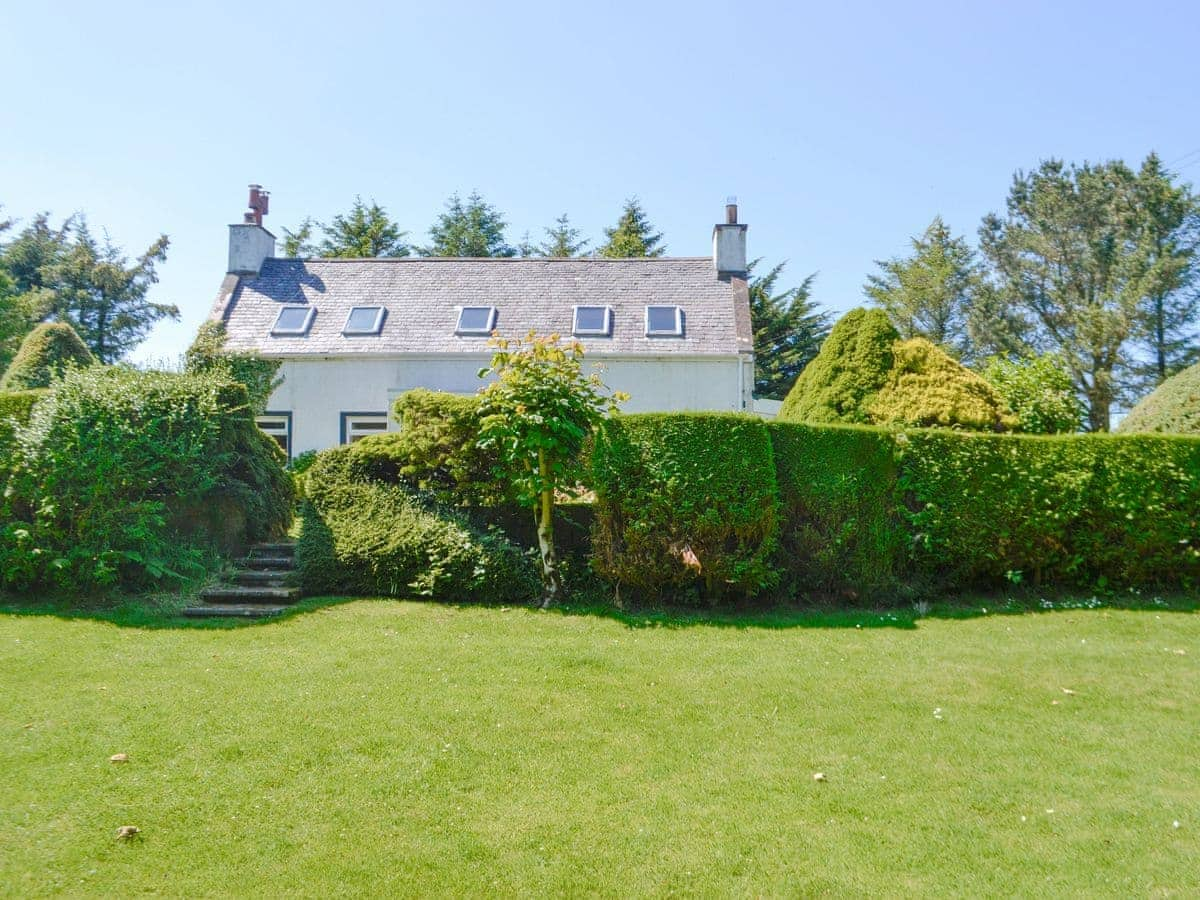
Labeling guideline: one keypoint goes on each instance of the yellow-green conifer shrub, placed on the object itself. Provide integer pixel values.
(1172, 408)
(927, 388)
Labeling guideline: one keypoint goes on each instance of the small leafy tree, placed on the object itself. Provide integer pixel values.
(536, 415)
(1039, 391)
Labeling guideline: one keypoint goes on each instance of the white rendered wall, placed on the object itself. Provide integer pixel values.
(317, 391)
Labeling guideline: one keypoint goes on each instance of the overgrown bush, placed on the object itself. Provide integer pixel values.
(364, 536)
(436, 448)
(207, 354)
(1171, 408)
(840, 530)
(685, 499)
(122, 477)
(15, 410)
(45, 354)
(1039, 391)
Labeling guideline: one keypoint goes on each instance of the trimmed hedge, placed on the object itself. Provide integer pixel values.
(866, 513)
(840, 530)
(1173, 407)
(123, 477)
(45, 354)
(361, 535)
(683, 500)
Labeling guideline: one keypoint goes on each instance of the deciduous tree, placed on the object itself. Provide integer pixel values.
(536, 414)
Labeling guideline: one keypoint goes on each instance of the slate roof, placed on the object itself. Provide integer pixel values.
(422, 297)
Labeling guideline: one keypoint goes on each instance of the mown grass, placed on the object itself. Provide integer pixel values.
(391, 747)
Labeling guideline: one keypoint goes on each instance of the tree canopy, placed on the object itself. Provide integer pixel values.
(928, 293)
(562, 239)
(366, 231)
(474, 228)
(633, 235)
(788, 331)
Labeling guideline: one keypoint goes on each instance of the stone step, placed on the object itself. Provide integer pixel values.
(227, 593)
(233, 610)
(266, 562)
(279, 549)
(268, 577)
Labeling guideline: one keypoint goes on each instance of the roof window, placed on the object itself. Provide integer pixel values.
(364, 320)
(664, 321)
(476, 320)
(294, 320)
(592, 320)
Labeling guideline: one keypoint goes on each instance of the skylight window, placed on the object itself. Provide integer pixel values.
(294, 320)
(593, 320)
(476, 320)
(664, 321)
(364, 320)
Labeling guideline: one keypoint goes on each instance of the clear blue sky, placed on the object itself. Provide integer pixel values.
(843, 128)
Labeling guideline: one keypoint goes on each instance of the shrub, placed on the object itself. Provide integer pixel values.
(1173, 407)
(436, 449)
(45, 354)
(362, 536)
(123, 476)
(927, 389)
(685, 498)
(840, 529)
(15, 410)
(851, 367)
(208, 354)
(1039, 391)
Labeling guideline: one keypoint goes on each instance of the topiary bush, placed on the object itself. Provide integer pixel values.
(363, 536)
(1171, 408)
(124, 477)
(685, 499)
(926, 388)
(850, 369)
(45, 354)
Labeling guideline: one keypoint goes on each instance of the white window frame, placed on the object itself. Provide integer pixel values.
(605, 331)
(277, 425)
(677, 331)
(458, 329)
(294, 332)
(351, 429)
(376, 325)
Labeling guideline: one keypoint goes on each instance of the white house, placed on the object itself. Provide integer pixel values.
(353, 334)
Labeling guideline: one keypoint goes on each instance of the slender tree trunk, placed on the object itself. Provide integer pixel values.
(551, 584)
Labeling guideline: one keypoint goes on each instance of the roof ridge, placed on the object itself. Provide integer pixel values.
(493, 259)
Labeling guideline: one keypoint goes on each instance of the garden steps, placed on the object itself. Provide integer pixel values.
(259, 589)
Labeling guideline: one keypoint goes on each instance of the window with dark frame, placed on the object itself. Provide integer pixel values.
(278, 427)
(356, 426)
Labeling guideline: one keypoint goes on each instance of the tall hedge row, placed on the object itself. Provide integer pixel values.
(858, 512)
(683, 499)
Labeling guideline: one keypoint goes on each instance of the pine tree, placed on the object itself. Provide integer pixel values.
(562, 239)
(788, 332)
(1070, 265)
(364, 232)
(103, 297)
(929, 293)
(633, 235)
(472, 229)
(1171, 238)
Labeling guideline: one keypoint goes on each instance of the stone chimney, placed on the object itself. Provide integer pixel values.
(729, 243)
(249, 242)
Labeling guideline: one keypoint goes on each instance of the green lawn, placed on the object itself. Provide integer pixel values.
(394, 747)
